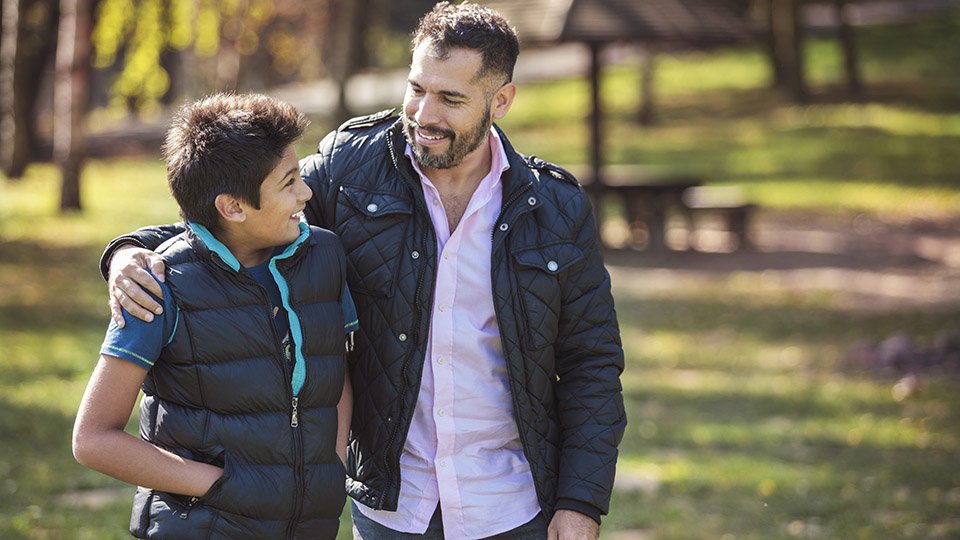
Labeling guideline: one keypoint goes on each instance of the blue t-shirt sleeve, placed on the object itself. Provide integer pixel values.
(139, 341)
(350, 321)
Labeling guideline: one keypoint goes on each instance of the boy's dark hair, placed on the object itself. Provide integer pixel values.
(226, 144)
(472, 27)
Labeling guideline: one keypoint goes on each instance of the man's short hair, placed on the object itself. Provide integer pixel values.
(474, 27)
(226, 144)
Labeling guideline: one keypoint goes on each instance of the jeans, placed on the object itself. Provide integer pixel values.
(365, 528)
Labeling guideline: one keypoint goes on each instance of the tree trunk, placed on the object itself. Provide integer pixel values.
(762, 11)
(645, 115)
(343, 53)
(25, 49)
(70, 91)
(787, 29)
(848, 46)
(13, 150)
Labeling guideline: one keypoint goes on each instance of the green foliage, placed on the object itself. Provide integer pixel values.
(140, 31)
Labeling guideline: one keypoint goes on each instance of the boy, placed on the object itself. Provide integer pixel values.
(243, 431)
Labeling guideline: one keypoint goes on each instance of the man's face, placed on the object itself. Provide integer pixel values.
(283, 196)
(446, 109)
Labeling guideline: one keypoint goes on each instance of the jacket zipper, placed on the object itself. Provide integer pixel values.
(521, 326)
(404, 368)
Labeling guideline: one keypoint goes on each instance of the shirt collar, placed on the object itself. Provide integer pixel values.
(498, 163)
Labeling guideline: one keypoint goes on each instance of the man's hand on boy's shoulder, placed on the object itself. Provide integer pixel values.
(130, 279)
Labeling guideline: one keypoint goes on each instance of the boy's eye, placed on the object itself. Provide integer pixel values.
(290, 182)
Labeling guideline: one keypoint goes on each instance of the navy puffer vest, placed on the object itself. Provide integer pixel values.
(223, 392)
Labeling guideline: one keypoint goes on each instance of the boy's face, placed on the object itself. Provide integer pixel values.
(283, 196)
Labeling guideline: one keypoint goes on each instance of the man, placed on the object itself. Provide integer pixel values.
(487, 398)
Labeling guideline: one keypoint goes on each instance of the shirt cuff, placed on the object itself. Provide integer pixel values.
(586, 509)
(112, 248)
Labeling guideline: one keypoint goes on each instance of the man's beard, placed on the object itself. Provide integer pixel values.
(460, 145)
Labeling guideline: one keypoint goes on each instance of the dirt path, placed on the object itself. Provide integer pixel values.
(867, 263)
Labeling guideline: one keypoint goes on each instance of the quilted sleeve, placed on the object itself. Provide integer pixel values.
(589, 360)
(145, 237)
(315, 171)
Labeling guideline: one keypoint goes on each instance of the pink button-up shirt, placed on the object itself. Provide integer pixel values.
(463, 449)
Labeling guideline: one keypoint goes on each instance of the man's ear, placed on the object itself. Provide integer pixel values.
(502, 100)
(230, 208)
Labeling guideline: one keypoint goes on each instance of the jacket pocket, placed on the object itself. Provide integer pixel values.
(539, 271)
(372, 227)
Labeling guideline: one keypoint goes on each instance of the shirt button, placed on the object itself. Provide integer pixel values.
(532, 201)
(552, 266)
(372, 208)
(443, 463)
(440, 308)
(415, 255)
(441, 412)
(402, 337)
(436, 202)
(504, 227)
(441, 361)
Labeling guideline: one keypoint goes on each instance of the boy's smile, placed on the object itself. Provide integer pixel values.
(283, 197)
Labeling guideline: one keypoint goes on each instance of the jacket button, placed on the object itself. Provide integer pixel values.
(532, 201)
(415, 255)
(552, 266)
(402, 337)
(504, 227)
(372, 207)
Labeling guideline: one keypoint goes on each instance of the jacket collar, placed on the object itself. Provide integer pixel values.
(517, 178)
(206, 245)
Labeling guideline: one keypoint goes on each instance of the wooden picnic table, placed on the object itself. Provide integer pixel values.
(647, 194)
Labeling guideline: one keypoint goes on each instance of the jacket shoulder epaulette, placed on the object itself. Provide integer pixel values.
(370, 120)
(554, 171)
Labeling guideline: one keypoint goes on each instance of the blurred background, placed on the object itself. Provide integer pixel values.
(778, 190)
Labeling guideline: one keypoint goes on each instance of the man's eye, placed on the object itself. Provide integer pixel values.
(453, 102)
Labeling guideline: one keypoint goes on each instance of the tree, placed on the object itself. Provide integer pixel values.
(70, 97)
(786, 35)
(26, 45)
(848, 47)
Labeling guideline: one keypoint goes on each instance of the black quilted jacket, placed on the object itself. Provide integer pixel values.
(551, 293)
(552, 298)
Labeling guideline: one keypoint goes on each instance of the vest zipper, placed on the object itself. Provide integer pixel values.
(298, 465)
(186, 510)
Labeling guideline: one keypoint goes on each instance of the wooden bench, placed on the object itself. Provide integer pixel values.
(726, 201)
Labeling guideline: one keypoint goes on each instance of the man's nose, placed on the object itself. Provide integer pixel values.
(426, 111)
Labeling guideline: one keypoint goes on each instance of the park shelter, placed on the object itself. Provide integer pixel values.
(653, 24)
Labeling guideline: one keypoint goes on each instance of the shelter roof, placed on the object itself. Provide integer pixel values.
(692, 23)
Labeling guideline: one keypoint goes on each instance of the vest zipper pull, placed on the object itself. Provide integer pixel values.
(186, 511)
(295, 417)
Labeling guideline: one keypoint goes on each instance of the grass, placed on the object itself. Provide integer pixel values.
(743, 423)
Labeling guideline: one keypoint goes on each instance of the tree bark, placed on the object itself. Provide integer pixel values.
(787, 29)
(763, 12)
(848, 46)
(12, 147)
(70, 93)
(645, 115)
(26, 46)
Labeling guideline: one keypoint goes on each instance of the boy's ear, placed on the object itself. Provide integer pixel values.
(230, 208)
